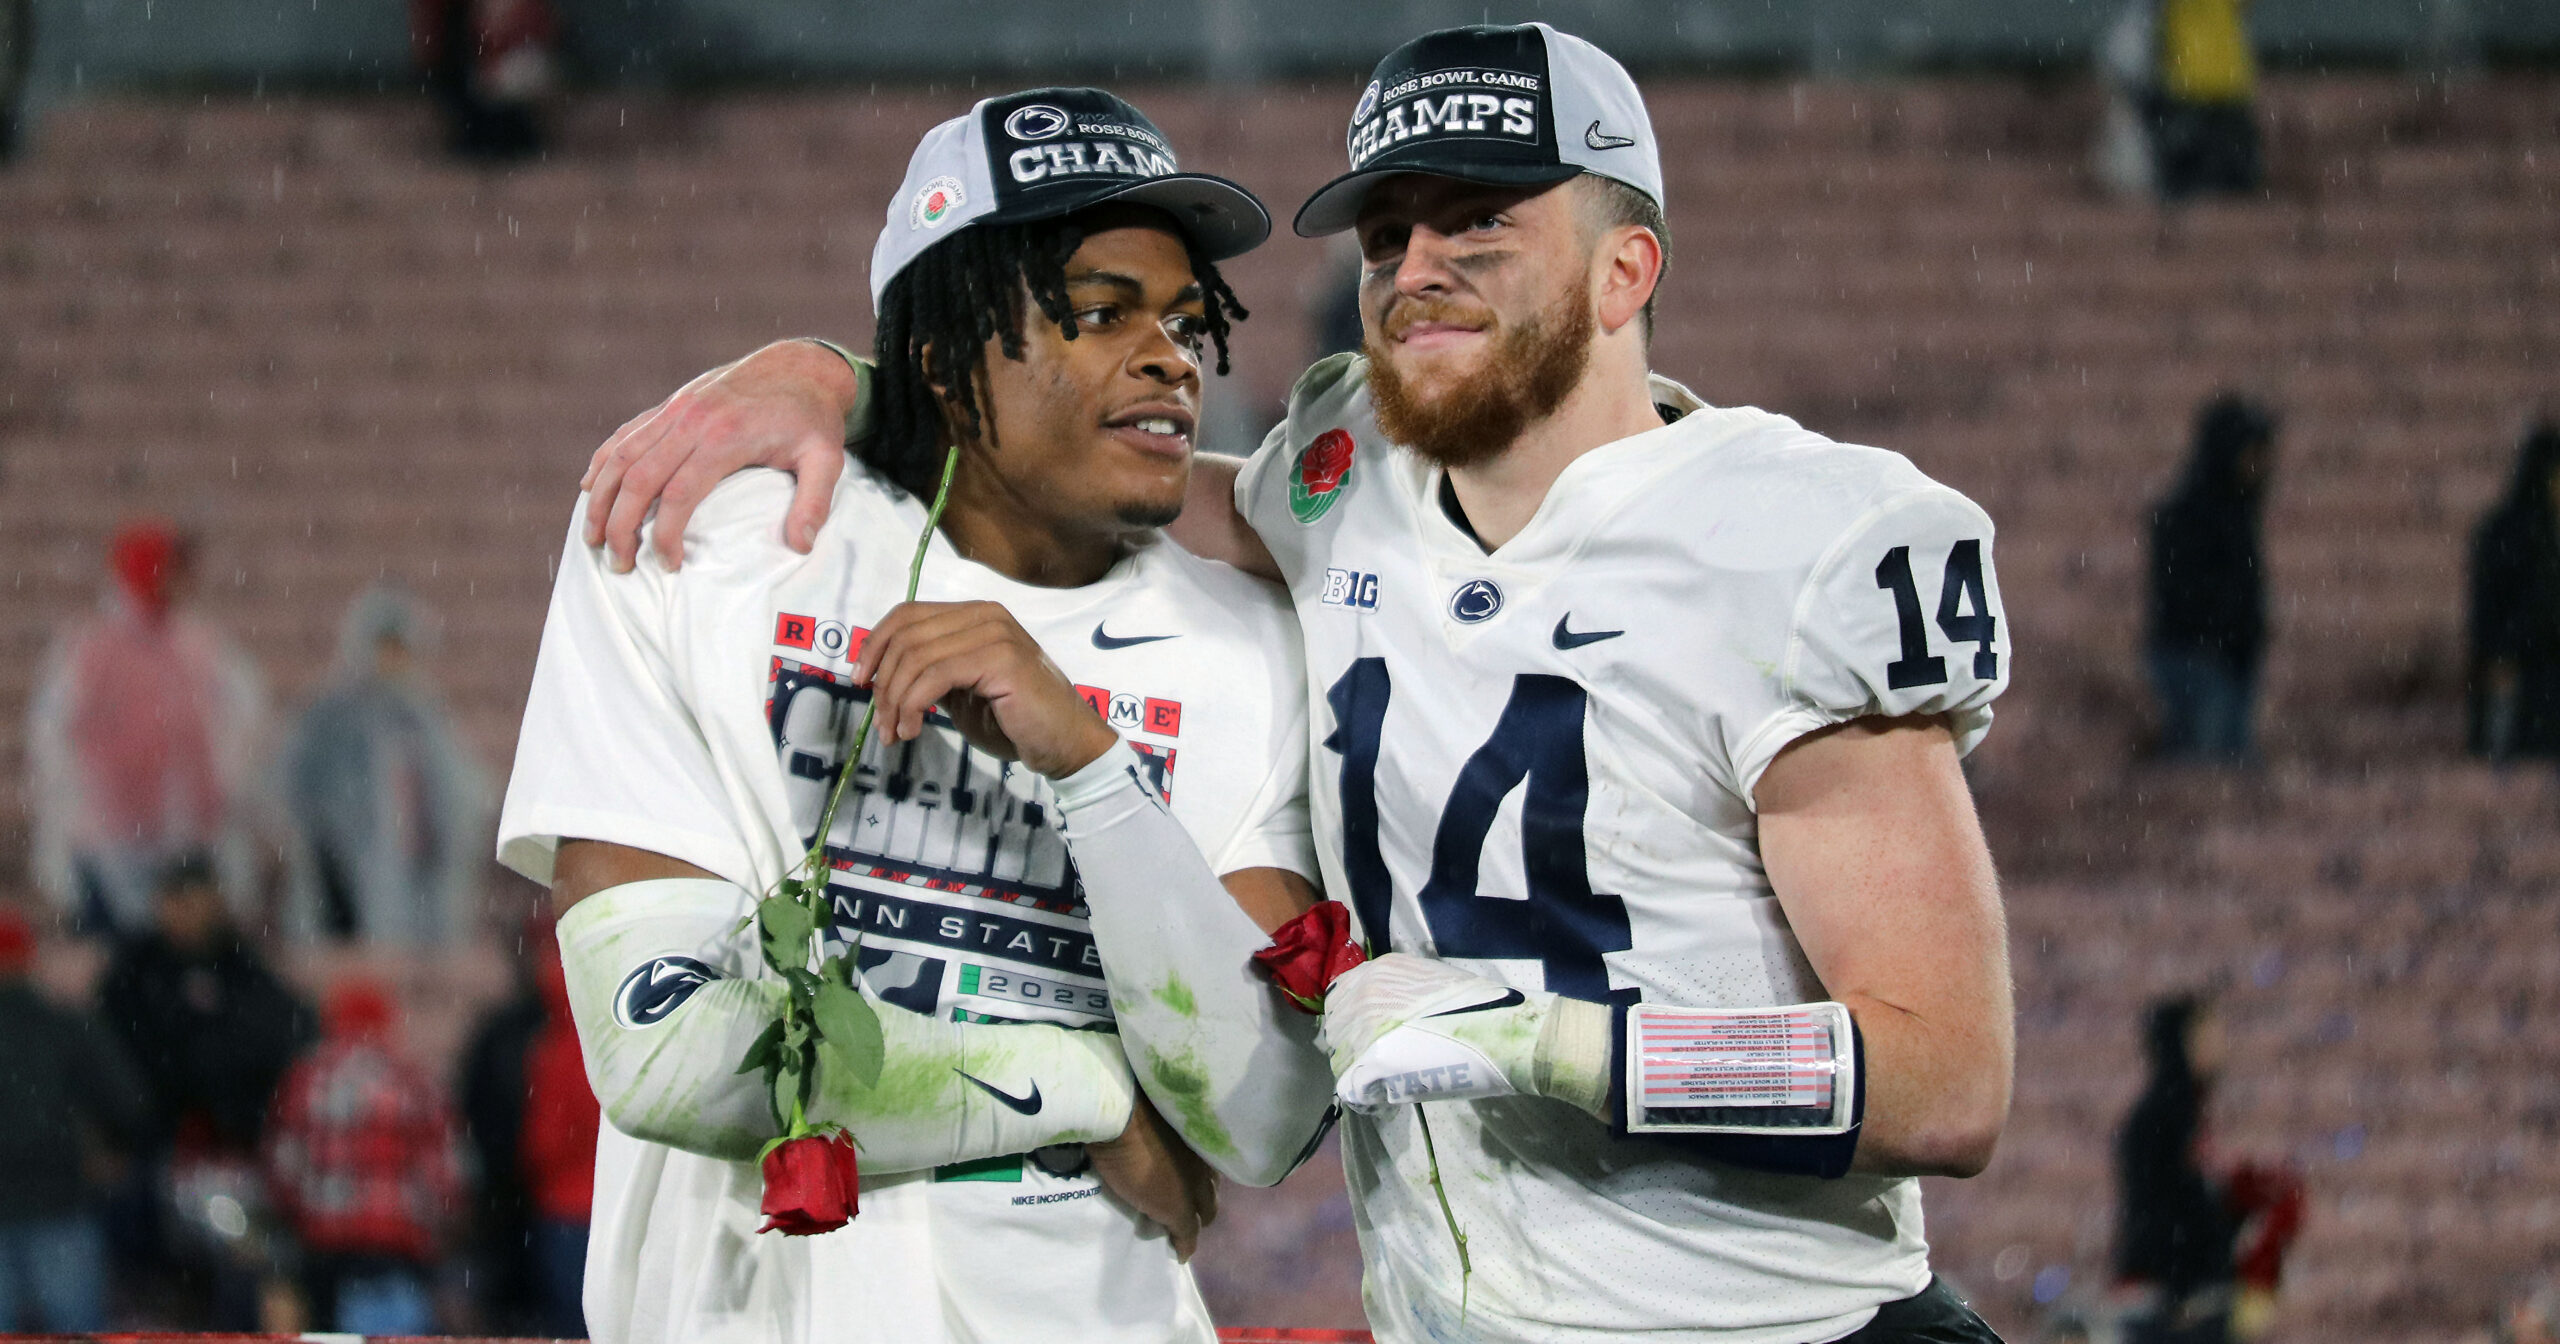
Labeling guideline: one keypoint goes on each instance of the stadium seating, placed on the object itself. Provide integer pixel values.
(288, 323)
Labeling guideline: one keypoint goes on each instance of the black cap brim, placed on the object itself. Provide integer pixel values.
(1223, 219)
(1336, 204)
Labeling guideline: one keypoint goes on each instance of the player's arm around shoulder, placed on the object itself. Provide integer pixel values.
(737, 528)
(1304, 467)
(733, 533)
(1867, 826)
(1220, 510)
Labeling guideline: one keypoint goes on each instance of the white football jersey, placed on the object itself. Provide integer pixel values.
(1539, 762)
(703, 714)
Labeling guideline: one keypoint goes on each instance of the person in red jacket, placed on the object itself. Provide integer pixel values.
(558, 1155)
(362, 1163)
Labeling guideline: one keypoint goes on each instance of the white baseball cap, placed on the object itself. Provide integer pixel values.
(1042, 153)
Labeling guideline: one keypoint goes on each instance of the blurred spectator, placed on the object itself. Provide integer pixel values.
(2208, 612)
(17, 56)
(489, 63)
(388, 805)
(212, 1029)
(493, 1095)
(2514, 687)
(140, 741)
(363, 1166)
(2173, 1235)
(559, 1153)
(2203, 118)
(2202, 1250)
(2129, 72)
(65, 1087)
(211, 1026)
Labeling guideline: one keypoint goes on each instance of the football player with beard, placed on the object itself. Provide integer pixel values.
(1637, 726)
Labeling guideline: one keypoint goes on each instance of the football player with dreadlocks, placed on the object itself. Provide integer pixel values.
(1637, 725)
(1054, 922)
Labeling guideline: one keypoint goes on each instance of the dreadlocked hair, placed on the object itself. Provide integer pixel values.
(938, 314)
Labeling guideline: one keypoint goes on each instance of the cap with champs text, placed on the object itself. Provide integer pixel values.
(1042, 153)
(1515, 106)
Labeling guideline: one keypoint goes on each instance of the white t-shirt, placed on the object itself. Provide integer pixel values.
(702, 714)
(1540, 763)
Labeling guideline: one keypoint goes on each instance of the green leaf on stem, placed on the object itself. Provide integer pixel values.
(787, 926)
(849, 1028)
(767, 1047)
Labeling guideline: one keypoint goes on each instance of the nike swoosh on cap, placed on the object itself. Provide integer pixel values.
(1029, 1105)
(1596, 140)
(1574, 639)
(1103, 641)
(1509, 998)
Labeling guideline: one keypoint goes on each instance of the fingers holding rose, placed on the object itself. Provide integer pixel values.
(977, 663)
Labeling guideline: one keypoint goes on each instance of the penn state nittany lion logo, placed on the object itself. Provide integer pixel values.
(1368, 104)
(1038, 121)
(1477, 601)
(657, 988)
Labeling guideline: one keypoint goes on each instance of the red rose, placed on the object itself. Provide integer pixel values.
(1327, 459)
(811, 1185)
(1309, 953)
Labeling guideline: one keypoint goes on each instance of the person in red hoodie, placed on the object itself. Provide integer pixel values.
(362, 1162)
(143, 739)
(557, 1157)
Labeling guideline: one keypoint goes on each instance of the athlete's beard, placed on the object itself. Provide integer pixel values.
(1532, 367)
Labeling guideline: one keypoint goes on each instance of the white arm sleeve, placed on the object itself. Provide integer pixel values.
(664, 986)
(1219, 1051)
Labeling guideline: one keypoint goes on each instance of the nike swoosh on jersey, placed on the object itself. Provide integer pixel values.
(1029, 1105)
(1509, 998)
(1103, 641)
(1574, 639)
(1596, 140)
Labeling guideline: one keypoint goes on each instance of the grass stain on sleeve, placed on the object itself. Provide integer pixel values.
(1181, 1081)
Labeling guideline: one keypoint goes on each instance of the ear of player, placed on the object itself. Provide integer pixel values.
(1775, 1089)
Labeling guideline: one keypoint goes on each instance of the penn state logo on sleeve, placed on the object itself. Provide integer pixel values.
(657, 988)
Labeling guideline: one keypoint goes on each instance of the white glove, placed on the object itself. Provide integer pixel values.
(1405, 1029)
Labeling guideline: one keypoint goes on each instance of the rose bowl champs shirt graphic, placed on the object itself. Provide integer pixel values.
(1539, 763)
(704, 715)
